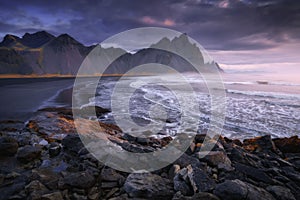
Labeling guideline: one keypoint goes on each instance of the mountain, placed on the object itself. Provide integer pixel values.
(62, 55)
(37, 39)
(11, 41)
(34, 40)
(175, 53)
(13, 63)
(41, 53)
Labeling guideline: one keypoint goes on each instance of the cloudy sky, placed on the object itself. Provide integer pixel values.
(237, 33)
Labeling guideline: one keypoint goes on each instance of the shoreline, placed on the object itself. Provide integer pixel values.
(23, 97)
(46, 159)
(16, 76)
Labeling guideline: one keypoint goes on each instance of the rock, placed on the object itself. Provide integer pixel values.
(184, 160)
(78, 191)
(288, 145)
(199, 138)
(142, 140)
(81, 180)
(294, 159)
(92, 109)
(259, 144)
(108, 174)
(253, 173)
(295, 188)
(54, 149)
(11, 126)
(216, 159)
(111, 193)
(191, 149)
(121, 197)
(52, 196)
(134, 147)
(181, 182)
(8, 146)
(43, 142)
(76, 196)
(147, 185)
(173, 171)
(208, 145)
(72, 143)
(256, 193)
(238, 190)
(199, 180)
(2, 177)
(280, 193)
(237, 155)
(234, 141)
(94, 193)
(8, 191)
(46, 176)
(197, 196)
(106, 185)
(29, 153)
(24, 138)
(32, 126)
(36, 186)
(291, 174)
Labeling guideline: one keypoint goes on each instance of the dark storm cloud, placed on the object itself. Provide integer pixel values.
(218, 24)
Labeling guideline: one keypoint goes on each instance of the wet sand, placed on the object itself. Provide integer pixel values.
(21, 98)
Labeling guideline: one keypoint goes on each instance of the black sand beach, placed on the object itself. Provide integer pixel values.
(21, 97)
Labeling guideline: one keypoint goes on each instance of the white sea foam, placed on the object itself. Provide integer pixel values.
(239, 83)
(249, 113)
(267, 94)
(51, 102)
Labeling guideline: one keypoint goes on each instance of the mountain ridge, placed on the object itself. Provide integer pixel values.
(42, 53)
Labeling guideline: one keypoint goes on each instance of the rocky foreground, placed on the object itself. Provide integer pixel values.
(45, 159)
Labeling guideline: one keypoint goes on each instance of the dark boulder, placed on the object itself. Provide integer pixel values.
(215, 158)
(111, 175)
(288, 145)
(81, 180)
(259, 144)
(197, 196)
(147, 185)
(253, 173)
(280, 192)
(239, 190)
(8, 146)
(54, 149)
(29, 153)
(199, 180)
(184, 160)
(72, 143)
(182, 183)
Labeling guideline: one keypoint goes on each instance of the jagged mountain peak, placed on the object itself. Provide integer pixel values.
(39, 33)
(181, 45)
(37, 39)
(9, 40)
(177, 41)
(183, 36)
(65, 39)
(10, 36)
(43, 53)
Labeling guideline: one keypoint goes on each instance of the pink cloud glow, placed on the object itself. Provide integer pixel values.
(151, 21)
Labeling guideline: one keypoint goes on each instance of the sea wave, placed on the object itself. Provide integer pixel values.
(266, 94)
(51, 102)
(261, 82)
(239, 83)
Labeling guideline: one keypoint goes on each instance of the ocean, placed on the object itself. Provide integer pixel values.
(255, 105)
